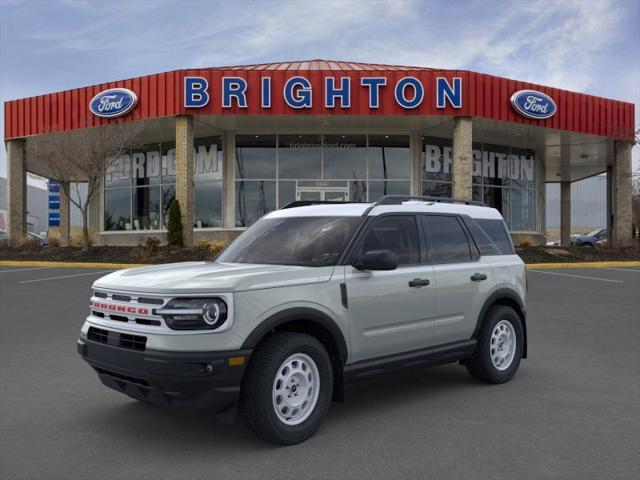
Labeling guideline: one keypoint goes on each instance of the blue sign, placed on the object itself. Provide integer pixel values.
(114, 102)
(54, 219)
(533, 104)
(54, 187)
(54, 203)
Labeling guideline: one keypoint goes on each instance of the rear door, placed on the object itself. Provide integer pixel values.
(462, 278)
(391, 311)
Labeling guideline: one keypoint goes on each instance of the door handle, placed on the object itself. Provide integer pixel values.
(477, 277)
(418, 282)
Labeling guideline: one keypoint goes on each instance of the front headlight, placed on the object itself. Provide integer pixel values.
(194, 313)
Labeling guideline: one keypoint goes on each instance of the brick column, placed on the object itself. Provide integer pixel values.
(228, 180)
(65, 215)
(621, 185)
(462, 158)
(415, 147)
(565, 213)
(16, 191)
(184, 174)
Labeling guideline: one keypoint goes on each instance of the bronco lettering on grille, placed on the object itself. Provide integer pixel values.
(111, 307)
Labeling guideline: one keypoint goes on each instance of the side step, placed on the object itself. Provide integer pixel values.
(427, 357)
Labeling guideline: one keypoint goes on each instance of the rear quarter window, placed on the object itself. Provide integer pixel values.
(497, 232)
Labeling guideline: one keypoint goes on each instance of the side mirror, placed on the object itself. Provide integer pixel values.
(377, 260)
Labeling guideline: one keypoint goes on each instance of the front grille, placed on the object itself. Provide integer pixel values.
(150, 301)
(98, 335)
(121, 298)
(122, 340)
(129, 308)
(133, 342)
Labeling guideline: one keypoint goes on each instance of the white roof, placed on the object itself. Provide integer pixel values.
(357, 209)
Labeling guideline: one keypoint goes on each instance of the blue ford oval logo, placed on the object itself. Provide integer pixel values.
(533, 104)
(114, 102)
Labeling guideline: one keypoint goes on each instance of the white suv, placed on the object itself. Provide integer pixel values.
(308, 298)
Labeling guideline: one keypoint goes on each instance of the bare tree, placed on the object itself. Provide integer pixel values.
(82, 156)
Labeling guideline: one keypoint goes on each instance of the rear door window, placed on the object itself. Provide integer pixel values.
(448, 241)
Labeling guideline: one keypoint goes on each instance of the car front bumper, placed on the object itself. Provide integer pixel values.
(195, 381)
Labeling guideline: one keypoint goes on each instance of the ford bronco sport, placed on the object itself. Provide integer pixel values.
(308, 298)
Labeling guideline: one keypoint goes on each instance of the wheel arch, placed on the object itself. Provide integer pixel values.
(314, 323)
(509, 298)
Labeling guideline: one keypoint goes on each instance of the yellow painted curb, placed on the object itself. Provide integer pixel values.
(28, 263)
(534, 266)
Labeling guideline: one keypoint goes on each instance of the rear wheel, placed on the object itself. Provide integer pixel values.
(287, 388)
(499, 348)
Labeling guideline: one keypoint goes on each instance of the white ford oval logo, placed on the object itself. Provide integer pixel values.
(114, 102)
(533, 104)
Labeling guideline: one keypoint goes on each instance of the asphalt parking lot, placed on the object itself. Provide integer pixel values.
(571, 412)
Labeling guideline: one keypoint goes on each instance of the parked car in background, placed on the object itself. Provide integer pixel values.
(591, 239)
(41, 240)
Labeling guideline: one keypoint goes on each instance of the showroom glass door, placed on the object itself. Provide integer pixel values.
(333, 194)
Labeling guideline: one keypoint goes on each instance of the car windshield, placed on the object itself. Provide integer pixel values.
(594, 233)
(304, 241)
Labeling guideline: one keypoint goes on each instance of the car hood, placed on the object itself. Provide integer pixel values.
(210, 277)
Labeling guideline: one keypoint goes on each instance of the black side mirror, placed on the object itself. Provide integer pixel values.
(377, 260)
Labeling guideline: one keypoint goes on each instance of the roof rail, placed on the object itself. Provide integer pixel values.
(306, 203)
(399, 199)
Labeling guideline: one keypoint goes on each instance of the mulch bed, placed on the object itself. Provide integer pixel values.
(172, 254)
(577, 254)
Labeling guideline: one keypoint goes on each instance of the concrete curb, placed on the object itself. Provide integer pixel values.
(532, 266)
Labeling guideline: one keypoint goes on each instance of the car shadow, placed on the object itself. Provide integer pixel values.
(155, 425)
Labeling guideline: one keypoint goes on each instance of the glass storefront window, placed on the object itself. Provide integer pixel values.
(117, 209)
(379, 188)
(345, 157)
(149, 173)
(168, 195)
(253, 200)
(316, 167)
(389, 157)
(503, 178)
(118, 174)
(437, 165)
(146, 165)
(436, 189)
(300, 156)
(208, 203)
(168, 162)
(522, 166)
(146, 208)
(521, 208)
(256, 156)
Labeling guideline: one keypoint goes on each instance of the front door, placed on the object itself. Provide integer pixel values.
(391, 311)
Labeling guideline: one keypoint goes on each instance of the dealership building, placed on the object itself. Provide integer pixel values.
(233, 143)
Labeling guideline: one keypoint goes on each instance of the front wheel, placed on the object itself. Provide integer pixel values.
(499, 348)
(287, 388)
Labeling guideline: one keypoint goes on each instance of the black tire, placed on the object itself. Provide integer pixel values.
(480, 365)
(256, 403)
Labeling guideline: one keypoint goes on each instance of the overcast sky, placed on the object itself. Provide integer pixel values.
(582, 45)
